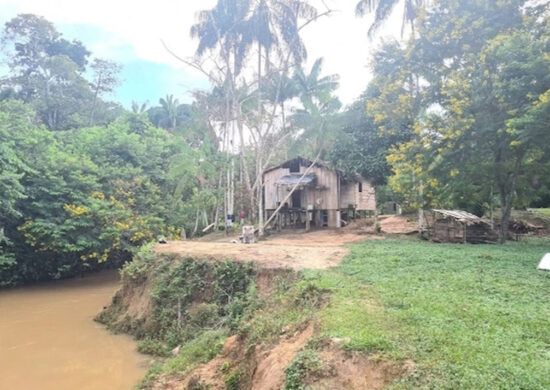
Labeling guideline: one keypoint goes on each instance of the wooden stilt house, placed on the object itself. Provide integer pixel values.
(323, 197)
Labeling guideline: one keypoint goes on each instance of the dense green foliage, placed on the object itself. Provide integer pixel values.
(47, 72)
(464, 102)
(191, 295)
(187, 296)
(84, 198)
(82, 181)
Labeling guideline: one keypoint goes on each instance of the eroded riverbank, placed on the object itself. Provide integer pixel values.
(48, 339)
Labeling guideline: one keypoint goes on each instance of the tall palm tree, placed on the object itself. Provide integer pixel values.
(169, 107)
(139, 108)
(274, 23)
(224, 24)
(314, 88)
(383, 9)
(320, 104)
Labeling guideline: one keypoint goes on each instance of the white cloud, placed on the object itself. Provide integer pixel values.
(135, 28)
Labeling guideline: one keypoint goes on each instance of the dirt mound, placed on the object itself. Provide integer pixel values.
(270, 370)
(399, 224)
(347, 370)
(263, 369)
(266, 353)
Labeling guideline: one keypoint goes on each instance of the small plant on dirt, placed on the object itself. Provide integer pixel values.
(310, 294)
(306, 362)
(225, 366)
(232, 380)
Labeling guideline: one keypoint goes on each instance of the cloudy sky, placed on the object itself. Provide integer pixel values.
(130, 33)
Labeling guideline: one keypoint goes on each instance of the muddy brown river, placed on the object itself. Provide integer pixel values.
(49, 341)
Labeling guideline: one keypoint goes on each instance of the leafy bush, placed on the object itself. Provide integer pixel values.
(306, 361)
(152, 346)
(138, 269)
(232, 380)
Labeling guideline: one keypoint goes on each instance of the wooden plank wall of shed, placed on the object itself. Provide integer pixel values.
(366, 200)
(327, 197)
(272, 193)
(350, 195)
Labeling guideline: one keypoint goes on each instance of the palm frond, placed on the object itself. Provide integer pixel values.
(364, 7)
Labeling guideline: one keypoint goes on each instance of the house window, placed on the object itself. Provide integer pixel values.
(360, 187)
(294, 166)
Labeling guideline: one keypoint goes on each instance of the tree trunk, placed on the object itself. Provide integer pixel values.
(244, 161)
(507, 199)
(196, 223)
(492, 206)
(260, 201)
(94, 103)
(259, 158)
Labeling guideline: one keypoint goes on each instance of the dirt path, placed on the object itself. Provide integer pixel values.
(297, 250)
(399, 224)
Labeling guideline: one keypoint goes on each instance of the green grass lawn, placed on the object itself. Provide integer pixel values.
(470, 316)
(543, 211)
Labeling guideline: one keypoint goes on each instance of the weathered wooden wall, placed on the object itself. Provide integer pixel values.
(366, 200)
(350, 195)
(272, 194)
(324, 196)
(449, 230)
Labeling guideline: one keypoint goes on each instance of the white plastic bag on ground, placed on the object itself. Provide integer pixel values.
(545, 262)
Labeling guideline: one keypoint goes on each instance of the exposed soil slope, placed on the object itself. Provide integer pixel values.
(264, 369)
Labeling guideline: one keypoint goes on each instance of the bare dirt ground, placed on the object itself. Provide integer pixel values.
(292, 249)
(399, 224)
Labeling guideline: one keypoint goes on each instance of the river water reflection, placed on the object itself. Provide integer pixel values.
(48, 339)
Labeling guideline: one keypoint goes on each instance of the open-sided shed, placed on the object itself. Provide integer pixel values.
(460, 226)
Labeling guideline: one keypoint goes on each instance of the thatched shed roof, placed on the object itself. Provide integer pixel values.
(461, 216)
(294, 178)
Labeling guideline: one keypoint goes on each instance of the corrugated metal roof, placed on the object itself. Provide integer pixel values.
(462, 216)
(294, 178)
